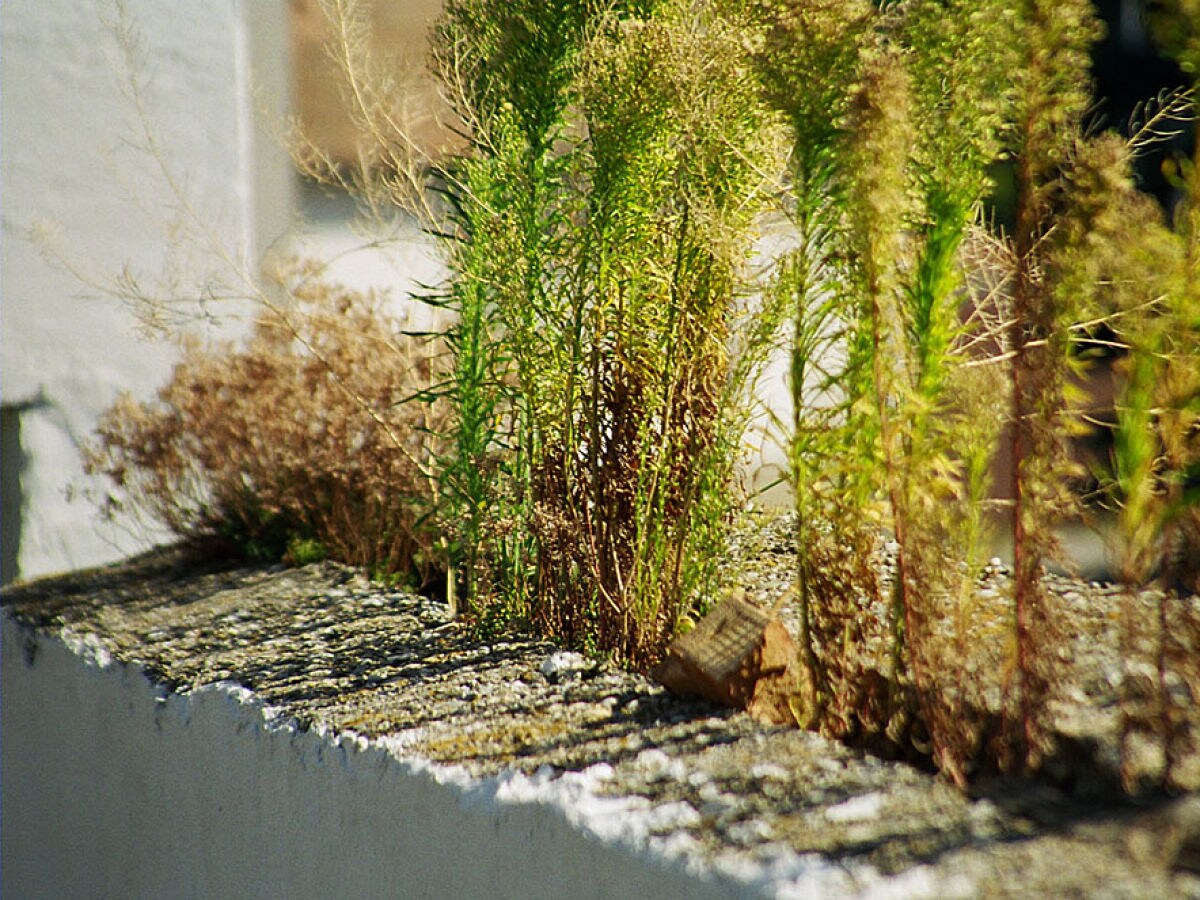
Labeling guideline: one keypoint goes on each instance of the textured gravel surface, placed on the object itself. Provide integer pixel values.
(336, 652)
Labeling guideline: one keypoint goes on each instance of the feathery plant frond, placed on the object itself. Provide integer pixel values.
(1052, 90)
(882, 205)
(1150, 288)
(896, 115)
(603, 218)
(508, 212)
(958, 56)
(1112, 251)
(807, 54)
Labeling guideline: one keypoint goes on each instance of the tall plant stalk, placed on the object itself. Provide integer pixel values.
(879, 349)
(1151, 272)
(603, 217)
(808, 59)
(1053, 95)
(957, 57)
(1117, 245)
(880, 208)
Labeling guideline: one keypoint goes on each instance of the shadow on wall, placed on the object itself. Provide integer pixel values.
(12, 463)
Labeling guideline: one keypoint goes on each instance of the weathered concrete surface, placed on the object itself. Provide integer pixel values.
(114, 787)
(303, 731)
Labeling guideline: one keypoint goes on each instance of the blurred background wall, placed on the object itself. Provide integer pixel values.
(399, 34)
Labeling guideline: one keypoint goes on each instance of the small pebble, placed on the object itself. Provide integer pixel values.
(562, 665)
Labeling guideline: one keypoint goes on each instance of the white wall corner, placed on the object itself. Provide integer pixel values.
(179, 196)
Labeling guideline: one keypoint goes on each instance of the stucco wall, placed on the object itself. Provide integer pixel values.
(72, 170)
(114, 788)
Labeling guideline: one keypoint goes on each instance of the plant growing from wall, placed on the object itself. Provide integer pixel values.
(510, 215)
(959, 56)
(1052, 89)
(1112, 249)
(807, 57)
(882, 200)
(899, 440)
(1176, 26)
(1143, 275)
(296, 444)
(600, 223)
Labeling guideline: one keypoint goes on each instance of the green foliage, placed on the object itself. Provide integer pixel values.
(253, 532)
(898, 113)
(806, 55)
(1175, 25)
(1142, 274)
(602, 218)
(1052, 95)
(1156, 451)
(302, 551)
(896, 118)
(960, 55)
(603, 215)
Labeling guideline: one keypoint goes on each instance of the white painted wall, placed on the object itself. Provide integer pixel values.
(71, 167)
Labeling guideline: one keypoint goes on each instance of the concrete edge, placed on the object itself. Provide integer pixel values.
(113, 785)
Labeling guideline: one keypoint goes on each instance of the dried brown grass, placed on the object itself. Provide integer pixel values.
(302, 441)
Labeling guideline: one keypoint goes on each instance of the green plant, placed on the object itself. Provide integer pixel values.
(1052, 95)
(1176, 25)
(1091, 253)
(883, 433)
(807, 58)
(1115, 248)
(599, 225)
(302, 551)
(565, 445)
(937, 442)
(299, 444)
(507, 217)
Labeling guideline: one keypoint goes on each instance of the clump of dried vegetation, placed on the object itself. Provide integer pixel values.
(575, 454)
(296, 444)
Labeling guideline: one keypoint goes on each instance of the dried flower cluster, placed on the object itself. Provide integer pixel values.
(300, 442)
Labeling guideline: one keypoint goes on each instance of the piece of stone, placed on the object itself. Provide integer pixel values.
(740, 656)
(563, 665)
(775, 669)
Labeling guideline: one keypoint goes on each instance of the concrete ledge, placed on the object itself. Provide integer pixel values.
(114, 787)
(388, 751)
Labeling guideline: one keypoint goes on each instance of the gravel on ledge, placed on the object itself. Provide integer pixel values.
(335, 652)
